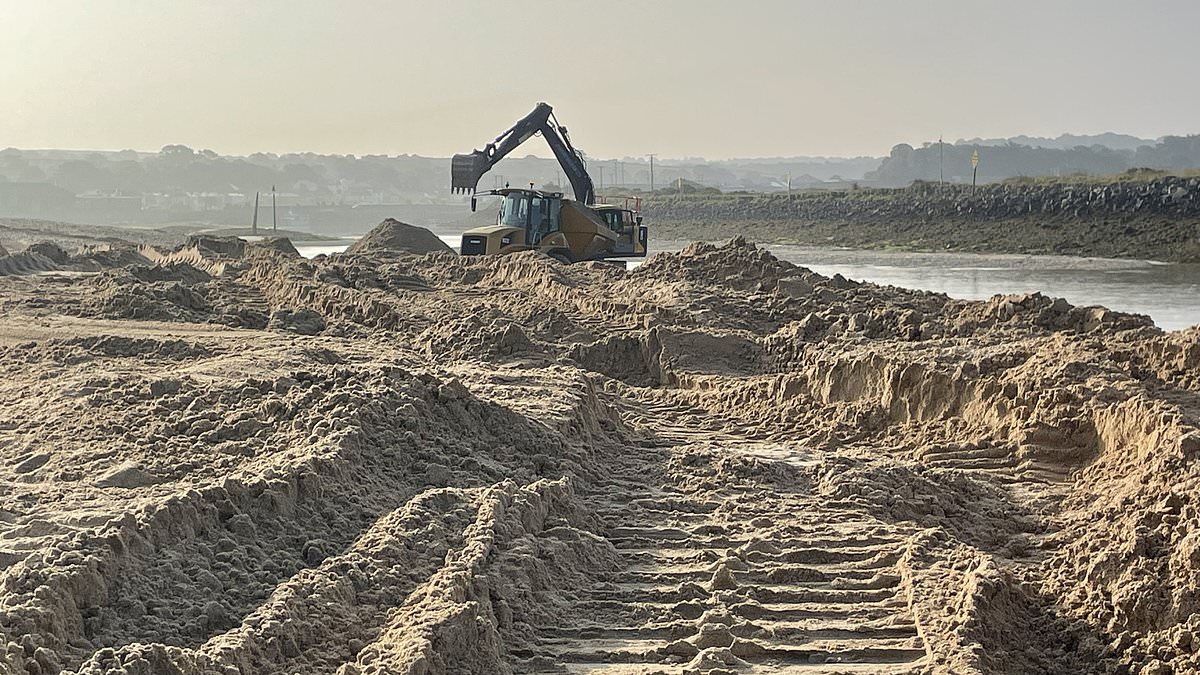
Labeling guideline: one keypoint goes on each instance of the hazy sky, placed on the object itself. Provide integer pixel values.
(708, 78)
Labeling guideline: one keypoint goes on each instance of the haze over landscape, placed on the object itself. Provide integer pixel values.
(678, 78)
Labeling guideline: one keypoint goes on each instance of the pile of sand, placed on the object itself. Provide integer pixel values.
(50, 250)
(25, 262)
(107, 256)
(394, 236)
(439, 464)
(213, 245)
(277, 244)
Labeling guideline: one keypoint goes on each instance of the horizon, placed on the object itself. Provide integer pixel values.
(794, 79)
(542, 153)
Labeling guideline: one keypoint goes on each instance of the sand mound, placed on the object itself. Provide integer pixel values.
(229, 247)
(277, 244)
(25, 262)
(394, 236)
(50, 250)
(718, 462)
(179, 271)
(96, 258)
(302, 321)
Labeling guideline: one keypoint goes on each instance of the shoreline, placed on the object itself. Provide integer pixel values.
(948, 236)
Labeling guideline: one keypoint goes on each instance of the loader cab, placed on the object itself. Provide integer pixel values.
(618, 220)
(623, 216)
(537, 213)
(561, 228)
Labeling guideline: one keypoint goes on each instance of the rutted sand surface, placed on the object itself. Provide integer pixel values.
(717, 463)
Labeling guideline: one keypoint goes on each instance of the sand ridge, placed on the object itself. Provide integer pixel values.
(238, 460)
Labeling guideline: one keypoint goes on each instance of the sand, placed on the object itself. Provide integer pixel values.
(278, 244)
(716, 463)
(393, 236)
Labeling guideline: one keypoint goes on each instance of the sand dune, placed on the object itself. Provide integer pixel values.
(716, 463)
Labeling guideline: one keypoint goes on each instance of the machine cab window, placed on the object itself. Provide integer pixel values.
(613, 218)
(539, 219)
(514, 210)
(533, 212)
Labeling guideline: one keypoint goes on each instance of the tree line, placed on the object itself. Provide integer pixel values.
(952, 162)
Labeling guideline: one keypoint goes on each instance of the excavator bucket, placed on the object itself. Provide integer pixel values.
(465, 171)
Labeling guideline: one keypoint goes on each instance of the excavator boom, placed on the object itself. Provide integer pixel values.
(467, 169)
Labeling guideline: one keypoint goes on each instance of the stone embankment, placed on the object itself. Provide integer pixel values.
(1157, 219)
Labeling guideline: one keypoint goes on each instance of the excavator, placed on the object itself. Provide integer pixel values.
(569, 230)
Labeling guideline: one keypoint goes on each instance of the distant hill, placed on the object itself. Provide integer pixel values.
(952, 163)
(347, 194)
(1066, 141)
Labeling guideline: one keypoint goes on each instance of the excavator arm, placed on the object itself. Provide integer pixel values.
(466, 170)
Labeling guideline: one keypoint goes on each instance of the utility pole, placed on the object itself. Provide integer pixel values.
(254, 222)
(789, 184)
(941, 161)
(274, 212)
(651, 172)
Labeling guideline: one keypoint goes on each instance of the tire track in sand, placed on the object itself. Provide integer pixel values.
(731, 573)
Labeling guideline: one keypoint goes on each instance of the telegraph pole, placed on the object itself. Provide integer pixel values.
(941, 161)
(651, 172)
(254, 222)
(274, 212)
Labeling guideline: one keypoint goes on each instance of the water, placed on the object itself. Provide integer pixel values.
(1168, 293)
(323, 248)
(330, 247)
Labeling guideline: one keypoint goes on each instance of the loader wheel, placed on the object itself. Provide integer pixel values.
(562, 257)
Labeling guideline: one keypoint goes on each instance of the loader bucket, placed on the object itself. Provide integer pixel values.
(465, 171)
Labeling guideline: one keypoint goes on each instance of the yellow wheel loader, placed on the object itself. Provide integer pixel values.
(570, 230)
